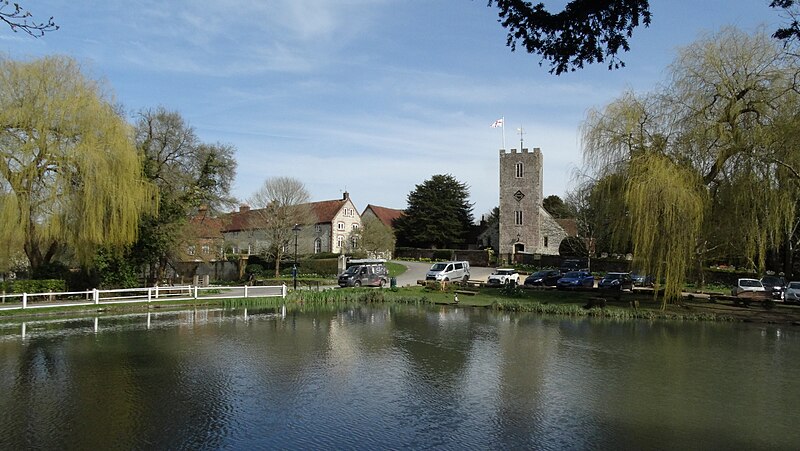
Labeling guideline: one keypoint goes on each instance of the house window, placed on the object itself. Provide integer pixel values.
(318, 228)
(317, 246)
(190, 250)
(518, 217)
(340, 226)
(545, 241)
(206, 249)
(339, 241)
(354, 243)
(519, 170)
(355, 226)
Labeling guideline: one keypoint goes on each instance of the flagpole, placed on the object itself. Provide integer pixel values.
(504, 132)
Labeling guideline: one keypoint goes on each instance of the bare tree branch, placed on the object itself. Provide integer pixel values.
(21, 19)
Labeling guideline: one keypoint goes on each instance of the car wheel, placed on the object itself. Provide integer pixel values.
(446, 279)
(466, 278)
(357, 283)
(381, 283)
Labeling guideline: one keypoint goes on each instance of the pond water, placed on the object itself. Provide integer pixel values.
(395, 377)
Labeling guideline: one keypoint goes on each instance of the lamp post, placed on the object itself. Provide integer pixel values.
(296, 230)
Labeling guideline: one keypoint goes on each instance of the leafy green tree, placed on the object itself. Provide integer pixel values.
(374, 237)
(439, 214)
(70, 176)
(188, 173)
(557, 208)
(709, 161)
(592, 31)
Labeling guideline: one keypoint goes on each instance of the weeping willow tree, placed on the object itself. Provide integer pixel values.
(70, 175)
(707, 170)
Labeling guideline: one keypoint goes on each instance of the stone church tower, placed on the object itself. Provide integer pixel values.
(520, 202)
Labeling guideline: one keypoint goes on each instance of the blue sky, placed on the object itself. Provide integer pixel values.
(368, 96)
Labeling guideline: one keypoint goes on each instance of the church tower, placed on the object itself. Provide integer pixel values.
(520, 201)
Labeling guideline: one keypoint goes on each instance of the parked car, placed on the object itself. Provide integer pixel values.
(616, 280)
(775, 285)
(792, 293)
(576, 279)
(642, 280)
(745, 285)
(364, 274)
(503, 276)
(547, 278)
(448, 271)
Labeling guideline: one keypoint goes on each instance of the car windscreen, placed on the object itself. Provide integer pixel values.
(771, 280)
(439, 267)
(612, 276)
(750, 283)
(540, 273)
(573, 274)
(352, 270)
(794, 285)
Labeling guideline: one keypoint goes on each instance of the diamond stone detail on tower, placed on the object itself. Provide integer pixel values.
(518, 195)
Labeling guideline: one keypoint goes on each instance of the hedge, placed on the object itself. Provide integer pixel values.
(34, 286)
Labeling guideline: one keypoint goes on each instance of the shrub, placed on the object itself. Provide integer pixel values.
(35, 286)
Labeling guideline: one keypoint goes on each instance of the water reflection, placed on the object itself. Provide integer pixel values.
(394, 377)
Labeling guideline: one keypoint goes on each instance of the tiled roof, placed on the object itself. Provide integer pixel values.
(326, 210)
(247, 219)
(244, 219)
(203, 225)
(570, 226)
(385, 215)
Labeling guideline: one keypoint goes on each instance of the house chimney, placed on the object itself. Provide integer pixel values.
(345, 195)
(244, 208)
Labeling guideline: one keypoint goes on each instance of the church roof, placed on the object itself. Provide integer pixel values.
(570, 226)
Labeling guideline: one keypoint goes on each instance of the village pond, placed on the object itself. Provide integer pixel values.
(395, 376)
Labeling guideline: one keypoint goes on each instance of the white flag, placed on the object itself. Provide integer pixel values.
(498, 123)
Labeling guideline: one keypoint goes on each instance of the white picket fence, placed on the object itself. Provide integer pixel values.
(131, 295)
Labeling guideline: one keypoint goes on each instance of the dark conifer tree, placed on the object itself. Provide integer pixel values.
(439, 214)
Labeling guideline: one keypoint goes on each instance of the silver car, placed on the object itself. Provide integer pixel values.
(792, 293)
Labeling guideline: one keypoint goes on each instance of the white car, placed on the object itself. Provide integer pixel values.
(748, 286)
(792, 293)
(503, 276)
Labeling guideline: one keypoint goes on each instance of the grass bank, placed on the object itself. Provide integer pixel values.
(551, 302)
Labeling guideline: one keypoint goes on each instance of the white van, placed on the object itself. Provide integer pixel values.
(448, 271)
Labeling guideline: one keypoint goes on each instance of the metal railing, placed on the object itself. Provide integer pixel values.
(131, 295)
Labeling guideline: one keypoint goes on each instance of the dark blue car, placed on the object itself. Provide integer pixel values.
(576, 279)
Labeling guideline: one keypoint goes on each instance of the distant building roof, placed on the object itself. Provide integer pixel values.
(570, 226)
(384, 214)
(204, 225)
(245, 219)
(326, 210)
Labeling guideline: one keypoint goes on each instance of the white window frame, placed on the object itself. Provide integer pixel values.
(518, 218)
(340, 225)
(519, 169)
